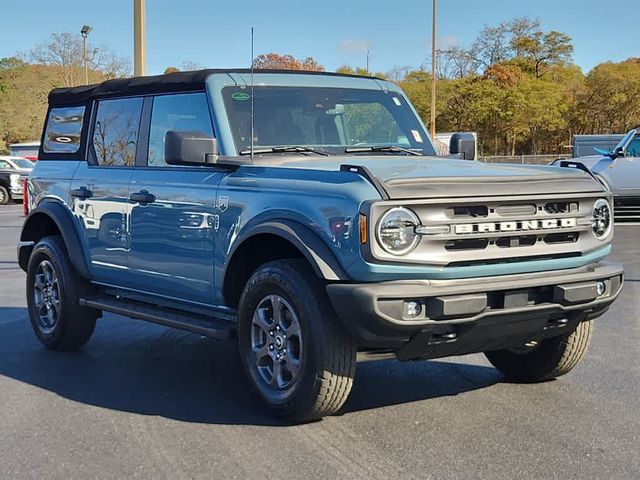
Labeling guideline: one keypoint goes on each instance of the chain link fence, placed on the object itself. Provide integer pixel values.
(521, 159)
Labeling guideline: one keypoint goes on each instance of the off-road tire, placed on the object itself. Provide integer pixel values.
(5, 195)
(75, 324)
(552, 358)
(329, 359)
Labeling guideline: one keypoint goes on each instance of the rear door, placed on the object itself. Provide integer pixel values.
(100, 188)
(173, 234)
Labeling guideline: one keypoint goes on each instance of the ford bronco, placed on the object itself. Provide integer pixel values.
(308, 216)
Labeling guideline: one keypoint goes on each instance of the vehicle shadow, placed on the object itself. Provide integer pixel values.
(150, 370)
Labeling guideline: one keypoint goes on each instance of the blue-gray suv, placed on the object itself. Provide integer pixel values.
(308, 216)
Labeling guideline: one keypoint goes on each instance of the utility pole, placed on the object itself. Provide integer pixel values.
(139, 38)
(85, 33)
(367, 61)
(433, 74)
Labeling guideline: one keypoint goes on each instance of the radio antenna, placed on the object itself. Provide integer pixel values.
(252, 106)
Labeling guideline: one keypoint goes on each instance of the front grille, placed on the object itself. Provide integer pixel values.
(561, 207)
(519, 241)
(570, 237)
(495, 230)
(626, 210)
(467, 244)
(467, 211)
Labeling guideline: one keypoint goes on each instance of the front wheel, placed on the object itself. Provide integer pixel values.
(548, 359)
(295, 352)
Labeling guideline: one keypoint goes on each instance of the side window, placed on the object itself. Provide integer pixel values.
(5, 165)
(185, 112)
(115, 135)
(64, 127)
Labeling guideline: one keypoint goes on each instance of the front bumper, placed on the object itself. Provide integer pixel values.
(471, 315)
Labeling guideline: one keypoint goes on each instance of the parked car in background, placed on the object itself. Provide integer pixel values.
(13, 171)
(28, 150)
(618, 168)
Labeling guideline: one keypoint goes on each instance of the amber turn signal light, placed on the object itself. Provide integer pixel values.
(363, 229)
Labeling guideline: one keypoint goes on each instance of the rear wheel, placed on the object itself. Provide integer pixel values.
(5, 196)
(295, 352)
(545, 360)
(54, 290)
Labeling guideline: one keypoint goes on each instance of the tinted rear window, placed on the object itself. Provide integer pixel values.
(63, 132)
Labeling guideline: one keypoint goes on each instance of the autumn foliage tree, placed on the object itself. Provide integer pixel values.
(518, 88)
(275, 61)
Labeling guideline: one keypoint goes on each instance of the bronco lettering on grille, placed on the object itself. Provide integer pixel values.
(521, 226)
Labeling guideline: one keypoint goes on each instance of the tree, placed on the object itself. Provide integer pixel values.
(23, 100)
(275, 61)
(610, 101)
(347, 70)
(65, 54)
(543, 49)
(491, 46)
(455, 62)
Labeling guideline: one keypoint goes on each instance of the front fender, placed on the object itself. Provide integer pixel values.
(317, 253)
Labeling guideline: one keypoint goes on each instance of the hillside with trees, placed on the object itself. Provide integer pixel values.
(516, 85)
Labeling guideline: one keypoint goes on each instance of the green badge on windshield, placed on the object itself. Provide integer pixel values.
(240, 96)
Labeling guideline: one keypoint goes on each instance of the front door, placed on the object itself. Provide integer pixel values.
(173, 217)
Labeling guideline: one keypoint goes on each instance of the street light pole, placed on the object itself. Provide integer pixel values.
(139, 37)
(433, 74)
(85, 33)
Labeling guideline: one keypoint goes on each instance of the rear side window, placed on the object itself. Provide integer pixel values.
(63, 132)
(115, 135)
(186, 112)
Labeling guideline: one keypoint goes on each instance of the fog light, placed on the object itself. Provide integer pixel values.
(601, 288)
(413, 309)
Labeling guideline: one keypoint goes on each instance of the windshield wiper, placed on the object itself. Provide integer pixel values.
(287, 149)
(382, 148)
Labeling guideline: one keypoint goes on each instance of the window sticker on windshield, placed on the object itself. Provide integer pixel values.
(397, 101)
(416, 135)
(240, 96)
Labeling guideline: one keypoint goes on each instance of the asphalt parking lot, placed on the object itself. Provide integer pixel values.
(142, 401)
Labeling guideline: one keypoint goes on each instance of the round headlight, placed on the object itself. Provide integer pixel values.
(602, 218)
(397, 231)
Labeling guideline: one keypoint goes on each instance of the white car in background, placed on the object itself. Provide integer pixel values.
(13, 171)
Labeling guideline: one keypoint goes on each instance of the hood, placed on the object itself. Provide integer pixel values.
(420, 177)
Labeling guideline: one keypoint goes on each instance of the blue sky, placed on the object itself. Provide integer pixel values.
(334, 32)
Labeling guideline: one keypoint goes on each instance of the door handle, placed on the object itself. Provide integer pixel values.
(142, 197)
(83, 193)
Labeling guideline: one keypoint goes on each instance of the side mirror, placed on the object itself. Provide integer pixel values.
(464, 145)
(188, 148)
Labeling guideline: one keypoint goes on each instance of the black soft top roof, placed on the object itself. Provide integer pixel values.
(168, 82)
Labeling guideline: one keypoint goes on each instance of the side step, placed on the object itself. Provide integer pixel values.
(208, 326)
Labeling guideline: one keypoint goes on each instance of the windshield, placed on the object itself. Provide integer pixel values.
(625, 140)
(327, 119)
(23, 163)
